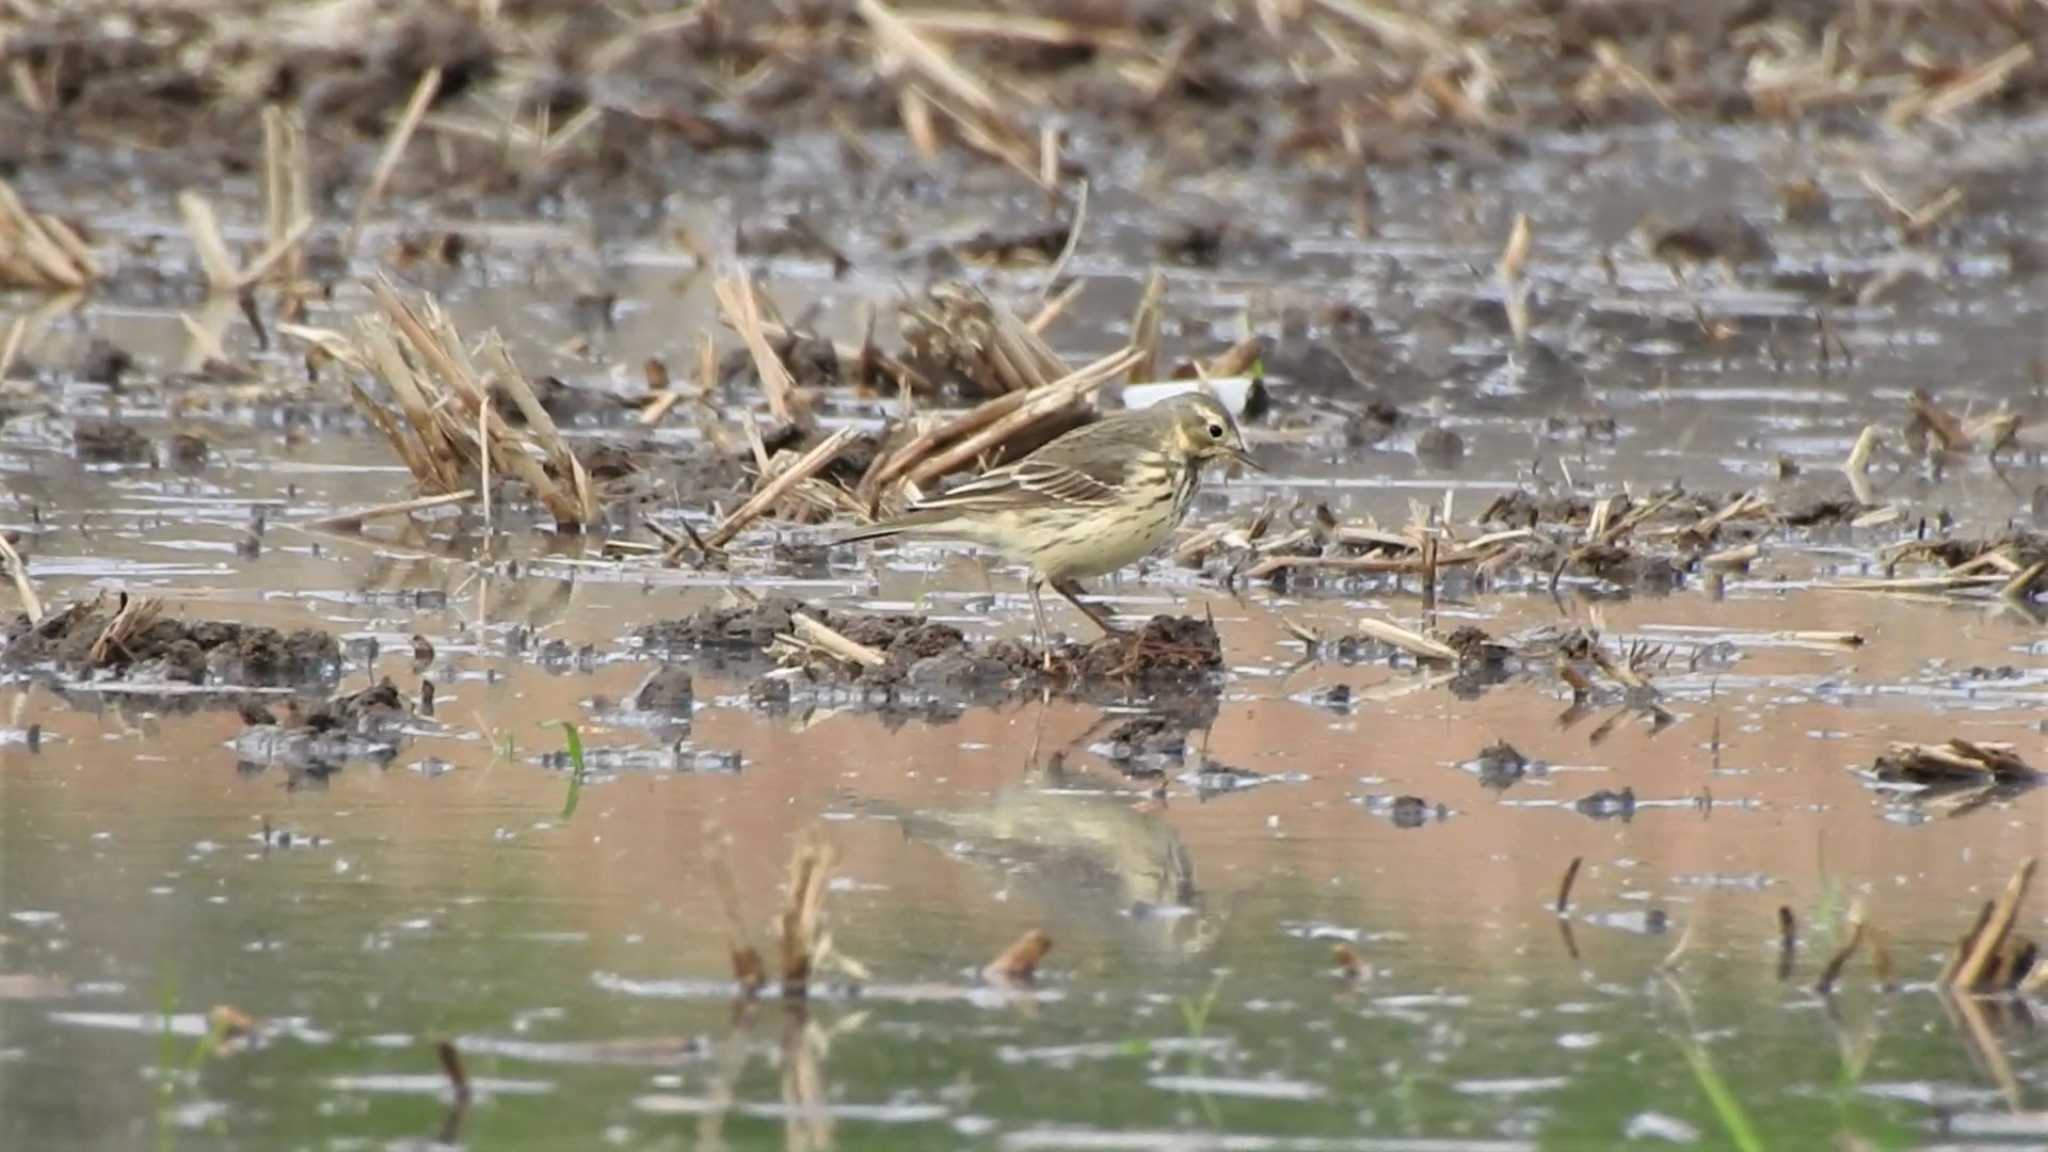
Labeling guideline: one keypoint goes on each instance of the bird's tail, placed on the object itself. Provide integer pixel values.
(930, 521)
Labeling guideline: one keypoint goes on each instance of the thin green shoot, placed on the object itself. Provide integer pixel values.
(1195, 1014)
(575, 742)
(1726, 1107)
(166, 1062)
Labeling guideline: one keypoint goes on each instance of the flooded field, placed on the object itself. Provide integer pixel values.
(1626, 684)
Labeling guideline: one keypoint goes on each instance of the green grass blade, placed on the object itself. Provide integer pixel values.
(575, 742)
(1726, 1107)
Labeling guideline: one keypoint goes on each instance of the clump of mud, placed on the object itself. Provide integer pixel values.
(311, 741)
(927, 661)
(81, 640)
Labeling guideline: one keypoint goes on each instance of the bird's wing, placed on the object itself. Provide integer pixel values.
(1029, 481)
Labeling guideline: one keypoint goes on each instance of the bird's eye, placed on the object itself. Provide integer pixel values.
(1215, 431)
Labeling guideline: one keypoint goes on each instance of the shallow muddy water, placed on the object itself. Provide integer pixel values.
(575, 951)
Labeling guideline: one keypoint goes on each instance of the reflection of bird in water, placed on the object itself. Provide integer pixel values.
(1093, 855)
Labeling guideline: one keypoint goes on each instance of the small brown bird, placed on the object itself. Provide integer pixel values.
(1094, 500)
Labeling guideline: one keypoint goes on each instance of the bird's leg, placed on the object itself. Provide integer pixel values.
(1072, 591)
(1038, 618)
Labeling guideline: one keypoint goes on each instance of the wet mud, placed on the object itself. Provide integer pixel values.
(935, 665)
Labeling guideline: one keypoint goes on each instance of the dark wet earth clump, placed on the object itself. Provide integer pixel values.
(932, 661)
(76, 641)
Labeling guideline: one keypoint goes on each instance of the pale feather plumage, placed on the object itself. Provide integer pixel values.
(1094, 500)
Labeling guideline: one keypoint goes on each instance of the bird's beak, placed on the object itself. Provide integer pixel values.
(1237, 454)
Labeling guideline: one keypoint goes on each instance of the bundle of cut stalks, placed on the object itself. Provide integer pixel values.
(444, 427)
(40, 251)
(2013, 567)
(136, 614)
(1957, 778)
(1957, 760)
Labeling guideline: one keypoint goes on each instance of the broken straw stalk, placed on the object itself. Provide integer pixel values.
(41, 251)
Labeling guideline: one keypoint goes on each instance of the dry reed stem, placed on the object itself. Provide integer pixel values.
(1981, 946)
(1955, 959)
(1145, 328)
(807, 1115)
(1740, 556)
(983, 121)
(776, 487)
(1235, 360)
(17, 570)
(1840, 960)
(1564, 887)
(1018, 963)
(1621, 673)
(1966, 90)
(893, 465)
(665, 395)
(747, 968)
(1067, 250)
(1037, 405)
(358, 517)
(483, 483)
(206, 346)
(17, 334)
(1942, 583)
(810, 871)
(1858, 463)
(742, 309)
(580, 501)
(1054, 308)
(2021, 587)
(1028, 29)
(330, 343)
(223, 276)
(1022, 352)
(927, 59)
(451, 1067)
(1613, 532)
(40, 251)
(1395, 28)
(1414, 643)
(1478, 552)
(816, 634)
(1984, 1045)
(286, 196)
(1514, 291)
(204, 227)
(394, 150)
(916, 112)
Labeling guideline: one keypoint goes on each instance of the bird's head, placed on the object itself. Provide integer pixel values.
(1202, 430)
